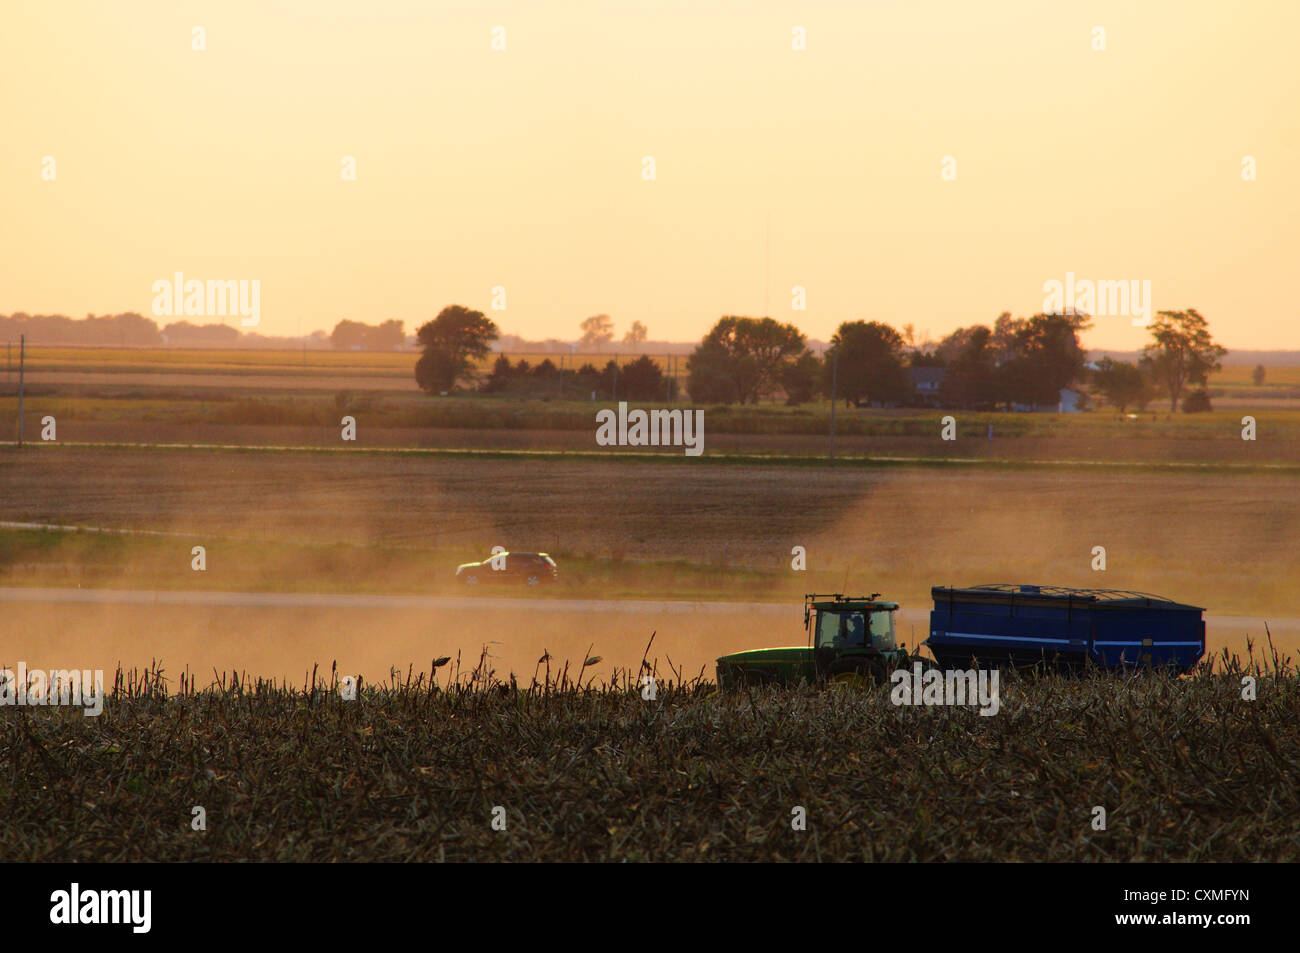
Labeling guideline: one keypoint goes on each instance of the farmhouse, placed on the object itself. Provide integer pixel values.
(925, 385)
(1068, 402)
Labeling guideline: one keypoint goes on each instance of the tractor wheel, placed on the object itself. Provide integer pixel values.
(851, 680)
(471, 579)
(851, 673)
(534, 580)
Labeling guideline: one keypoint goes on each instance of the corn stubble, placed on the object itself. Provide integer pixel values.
(589, 769)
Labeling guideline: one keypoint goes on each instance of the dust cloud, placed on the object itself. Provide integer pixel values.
(1215, 540)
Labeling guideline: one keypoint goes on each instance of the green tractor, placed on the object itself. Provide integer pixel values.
(850, 643)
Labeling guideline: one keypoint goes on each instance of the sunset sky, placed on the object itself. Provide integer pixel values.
(522, 168)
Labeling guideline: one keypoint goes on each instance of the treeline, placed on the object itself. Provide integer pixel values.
(642, 379)
(1016, 363)
(122, 330)
(130, 329)
(460, 338)
(355, 336)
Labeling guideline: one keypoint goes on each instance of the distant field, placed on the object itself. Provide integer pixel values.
(88, 358)
(1288, 376)
(251, 360)
(415, 409)
(1222, 540)
(408, 418)
(215, 383)
(253, 562)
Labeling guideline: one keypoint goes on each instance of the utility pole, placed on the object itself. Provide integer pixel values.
(22, 357)
(835, 374)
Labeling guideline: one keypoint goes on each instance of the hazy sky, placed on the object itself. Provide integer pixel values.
(774, 167)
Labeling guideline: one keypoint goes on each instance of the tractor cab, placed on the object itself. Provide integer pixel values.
(850, 634)
(850, 641)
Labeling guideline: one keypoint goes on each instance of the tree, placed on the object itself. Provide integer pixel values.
(1009, 380)
(452, 342)
(799, 378)
(635, 334)
(1197, 402)
(355, 336)
(181, 333)
(1045, 357)
(386, 336)
(1018, 361)
(970, 379)
(643, 379)
(742, 358)
(1182, 353)
(348, 335)
(546, 370)
(588, 379)
(1122, 384)
(709, 374)
(870, 362)
(925, 359)
(116, 330)
(500, 377)
(133, 328)
(597, 330)
(954, 345)
(1257, 375)
(610, 381)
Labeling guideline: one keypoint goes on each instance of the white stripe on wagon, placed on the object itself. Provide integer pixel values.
(1023, 638)
(1005, 638)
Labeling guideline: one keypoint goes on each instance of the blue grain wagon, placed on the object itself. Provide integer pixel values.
(1069, 629)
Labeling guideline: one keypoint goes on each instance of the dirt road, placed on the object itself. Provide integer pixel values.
(283, 635)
